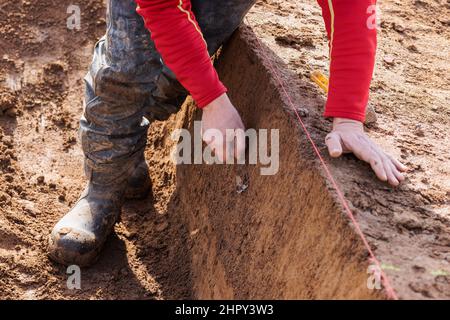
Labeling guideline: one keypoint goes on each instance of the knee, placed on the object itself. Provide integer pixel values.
(121, 78)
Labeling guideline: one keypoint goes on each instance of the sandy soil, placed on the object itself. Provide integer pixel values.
(152, 252)
(409, 226)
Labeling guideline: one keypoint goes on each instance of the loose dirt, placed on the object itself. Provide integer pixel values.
(285, 236)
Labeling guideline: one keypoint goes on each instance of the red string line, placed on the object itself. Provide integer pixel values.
(389, 290)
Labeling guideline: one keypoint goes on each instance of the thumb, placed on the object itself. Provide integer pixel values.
(333, 142)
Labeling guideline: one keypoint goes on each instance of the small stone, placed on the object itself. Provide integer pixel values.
(408, 221)
(8, 141)
(4, 197)
(419, 131)
(413, 48)
(419, 269)
(303, 112)
(389, 59)
(40, 179)
(30, 208)
(399, 28)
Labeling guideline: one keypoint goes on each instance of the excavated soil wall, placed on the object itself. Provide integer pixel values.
(282, 237)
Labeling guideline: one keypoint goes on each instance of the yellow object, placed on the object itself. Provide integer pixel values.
(320, 79)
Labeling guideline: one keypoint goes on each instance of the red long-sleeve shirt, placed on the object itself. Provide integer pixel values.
(179, 40)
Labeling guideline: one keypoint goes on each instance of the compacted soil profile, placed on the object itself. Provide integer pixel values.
(223, 231)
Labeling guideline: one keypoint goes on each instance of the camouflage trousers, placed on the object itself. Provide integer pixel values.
(128, 84)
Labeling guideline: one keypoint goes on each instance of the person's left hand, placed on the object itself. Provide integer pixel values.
(348, 136)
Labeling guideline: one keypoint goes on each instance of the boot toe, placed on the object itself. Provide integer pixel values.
(80, 235)
(69, 246)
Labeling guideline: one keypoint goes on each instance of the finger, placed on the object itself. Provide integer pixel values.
(229, 146)
(207, 139)
(368, 153)
(391, 178)
(376, 161)
(217, 147)
(230, 150)
(400, 177)
(400, 166)
(333, 142)
(377, 166)
(240, 145)
(219, 151)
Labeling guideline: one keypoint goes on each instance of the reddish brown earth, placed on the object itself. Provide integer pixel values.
(285, 236)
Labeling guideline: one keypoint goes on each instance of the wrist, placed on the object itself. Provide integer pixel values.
(337, 122)
(216, 104)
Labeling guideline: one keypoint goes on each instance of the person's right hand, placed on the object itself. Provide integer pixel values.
(222, 115)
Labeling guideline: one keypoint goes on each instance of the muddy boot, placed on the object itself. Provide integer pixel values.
(113, 134)
(79, 236)
(127, 86)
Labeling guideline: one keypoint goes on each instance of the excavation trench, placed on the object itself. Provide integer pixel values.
(203, 235)
(284, 236)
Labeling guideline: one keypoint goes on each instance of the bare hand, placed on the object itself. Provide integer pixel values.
(348, 136)
(221, 115)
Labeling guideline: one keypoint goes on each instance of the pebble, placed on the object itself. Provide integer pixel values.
(419, 131)
(389, 59)
(413, 48)
(399, 28)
